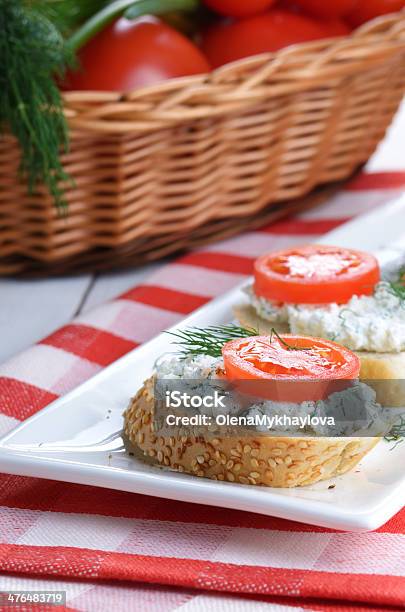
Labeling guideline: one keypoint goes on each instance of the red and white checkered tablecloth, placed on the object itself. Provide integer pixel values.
(113, 550)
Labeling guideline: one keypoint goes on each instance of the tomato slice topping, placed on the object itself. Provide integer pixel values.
(288, 367)
(315, 274)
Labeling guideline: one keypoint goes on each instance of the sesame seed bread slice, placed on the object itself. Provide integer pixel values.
(262, 460)
(378, 367)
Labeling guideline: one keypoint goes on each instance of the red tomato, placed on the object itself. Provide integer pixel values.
(131, 54)
(335, 27)
(315, 274)
(239, 8)
(317, 367)
(327, 8)
(366, 10)
(229, 41)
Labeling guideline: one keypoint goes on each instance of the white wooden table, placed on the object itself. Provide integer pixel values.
(30, 310)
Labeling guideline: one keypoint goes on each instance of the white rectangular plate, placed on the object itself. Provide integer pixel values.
(77, 438)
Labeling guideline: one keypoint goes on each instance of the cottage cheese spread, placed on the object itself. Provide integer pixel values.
(199, 373)
(366, 323)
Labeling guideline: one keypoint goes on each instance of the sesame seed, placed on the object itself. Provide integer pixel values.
(160, 456)
(180, 468)
(152, 452)
(216, 442)
(230, 464)
(168, 451)
(200, 459)
(230, 477)
(221, 477)
(140, 438)
(288, 460)
(254, 475)
(247, 448)
(254, 463)
(278, 460)
(172, 441)
(252, 480)
(200, 473)
(211, 462)
(243, 480)
(254, 452)
(237, 467)
(269, 474)
(235, 453)
(206, 456)
(166, 461)
(239, 447)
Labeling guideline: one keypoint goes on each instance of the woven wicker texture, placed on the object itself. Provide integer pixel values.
(195, 159)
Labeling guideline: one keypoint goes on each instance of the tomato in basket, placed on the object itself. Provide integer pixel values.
(228, 41)
(335, 27)
(130, 54)
(327, 8)
(365, 10)
(239, 8)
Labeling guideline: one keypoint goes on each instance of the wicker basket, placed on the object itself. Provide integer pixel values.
(195, 159)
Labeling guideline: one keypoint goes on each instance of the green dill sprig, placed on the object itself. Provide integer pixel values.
(289, 347)
(397, 433)
(210, 340)
(33, 56)
(397, 287)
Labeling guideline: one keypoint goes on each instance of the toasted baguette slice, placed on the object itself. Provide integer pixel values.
(262, 460)
(378, 367)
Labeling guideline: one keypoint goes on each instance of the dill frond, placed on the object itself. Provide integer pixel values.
(397, 433)
(397, 287)
(33, 57)
(210, 340)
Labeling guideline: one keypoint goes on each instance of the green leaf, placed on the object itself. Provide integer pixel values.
(33, 56)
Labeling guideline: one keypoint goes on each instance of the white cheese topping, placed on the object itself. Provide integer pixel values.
(358, 399)
(366, 323)
(172, 366)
